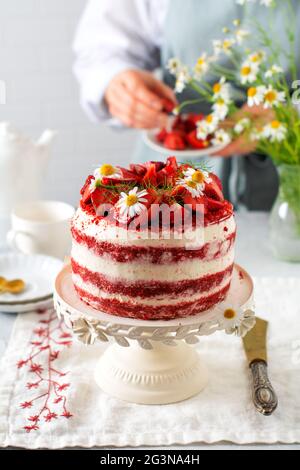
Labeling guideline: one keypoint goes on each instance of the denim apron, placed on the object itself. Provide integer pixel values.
(190, 28)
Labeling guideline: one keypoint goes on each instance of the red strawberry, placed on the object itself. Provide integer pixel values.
(198, 203)
(178, 124)
(138, 169)
(195, 142)
(168, 105)
(86, 190)
(174, 141)
(214, 205)
(167, 175)
(194, 118)
(214, 188)
(103, 196)
(151, 174)
(162, 135)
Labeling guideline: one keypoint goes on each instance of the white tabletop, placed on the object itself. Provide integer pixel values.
(254, 254)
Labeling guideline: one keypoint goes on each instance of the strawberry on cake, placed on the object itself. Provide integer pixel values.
(155, 241)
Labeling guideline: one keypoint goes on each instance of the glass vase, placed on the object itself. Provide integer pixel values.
(285, 215)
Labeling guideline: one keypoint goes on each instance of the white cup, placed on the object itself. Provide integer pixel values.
(41, 227)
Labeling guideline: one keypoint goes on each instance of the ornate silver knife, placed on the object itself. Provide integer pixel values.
(255, 345)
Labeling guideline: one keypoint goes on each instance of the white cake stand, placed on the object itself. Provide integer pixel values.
(141, 366)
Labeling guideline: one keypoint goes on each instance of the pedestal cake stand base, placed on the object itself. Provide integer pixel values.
(151, 377)
(152, 362)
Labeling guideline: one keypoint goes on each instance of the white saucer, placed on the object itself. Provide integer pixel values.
(151, 141)
(38, 272)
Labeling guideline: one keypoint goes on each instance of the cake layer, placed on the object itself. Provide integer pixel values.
(86, 224)
(150, 254)
(191, 269)
(149, 312)
(155, 288)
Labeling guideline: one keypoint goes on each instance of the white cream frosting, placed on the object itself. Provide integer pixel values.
(149, 302)
(83, 222)
(135, 271)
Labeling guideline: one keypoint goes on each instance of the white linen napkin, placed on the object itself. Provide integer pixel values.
(223, 412)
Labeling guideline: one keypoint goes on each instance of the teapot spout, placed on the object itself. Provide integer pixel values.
(46, 138)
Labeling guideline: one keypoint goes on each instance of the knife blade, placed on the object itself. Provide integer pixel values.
(255, 345)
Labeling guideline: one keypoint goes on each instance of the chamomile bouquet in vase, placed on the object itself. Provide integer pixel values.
(252, 63)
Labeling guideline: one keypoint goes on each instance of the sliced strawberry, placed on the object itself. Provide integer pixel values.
(214, 188)
(162, 135)
(198, 203)
(151, 175)
(214, 205)
(86, 190)
(174, 141)
(168, 105)
(103, 196)
(178, 124)
(168, 174)
(195, 142)
(138, 169)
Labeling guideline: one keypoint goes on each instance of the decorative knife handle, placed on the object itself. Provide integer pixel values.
(264, 396)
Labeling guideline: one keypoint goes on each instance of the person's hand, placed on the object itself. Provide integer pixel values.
(242, 145)
(136, 98)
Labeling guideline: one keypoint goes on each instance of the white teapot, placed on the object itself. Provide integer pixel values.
(22, 167)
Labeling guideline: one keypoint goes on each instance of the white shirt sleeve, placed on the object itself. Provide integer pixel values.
(112, 36)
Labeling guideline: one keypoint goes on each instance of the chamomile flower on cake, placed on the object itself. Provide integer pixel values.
(275, 131)
(105, 171)
(235, 319)
(194, 181)
(132, 203)
(273, 97)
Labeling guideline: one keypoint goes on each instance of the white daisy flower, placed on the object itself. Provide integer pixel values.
(202, 66)
(221, 109)
(221, 89)
(197, 175)
(273, 98)
(255, 95)
(105, 171)
(257, 57)
(235, 320)
(241, 35)
(248, 72)
(275, 131)
(223, 46)
(207, 126)
(183, 77)
(131, 204)
(274, 70)
(242, 125)
(174, 65)
(221, 137)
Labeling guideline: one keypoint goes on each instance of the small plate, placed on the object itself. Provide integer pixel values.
(38, 272)
(152, 142)
(27, 308)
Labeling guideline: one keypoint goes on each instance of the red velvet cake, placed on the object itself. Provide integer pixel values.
(155, 241)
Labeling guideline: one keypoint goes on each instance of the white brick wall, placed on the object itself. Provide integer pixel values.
(35, 62)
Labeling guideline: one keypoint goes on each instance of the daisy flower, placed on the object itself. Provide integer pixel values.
(275, 131)
(257, 57)
(174, 66)
(235, 320)
(221, 109)
(131, 204)
(221, 137)
(248, 72)
(207, 126)
(242, 125)
(221, 89)
(274, 70)
(202, 66)
(273, 98)
(183, 77)
(255, 95)
(223, 46)
(194, 181)
(241, 35)
(104, 171)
